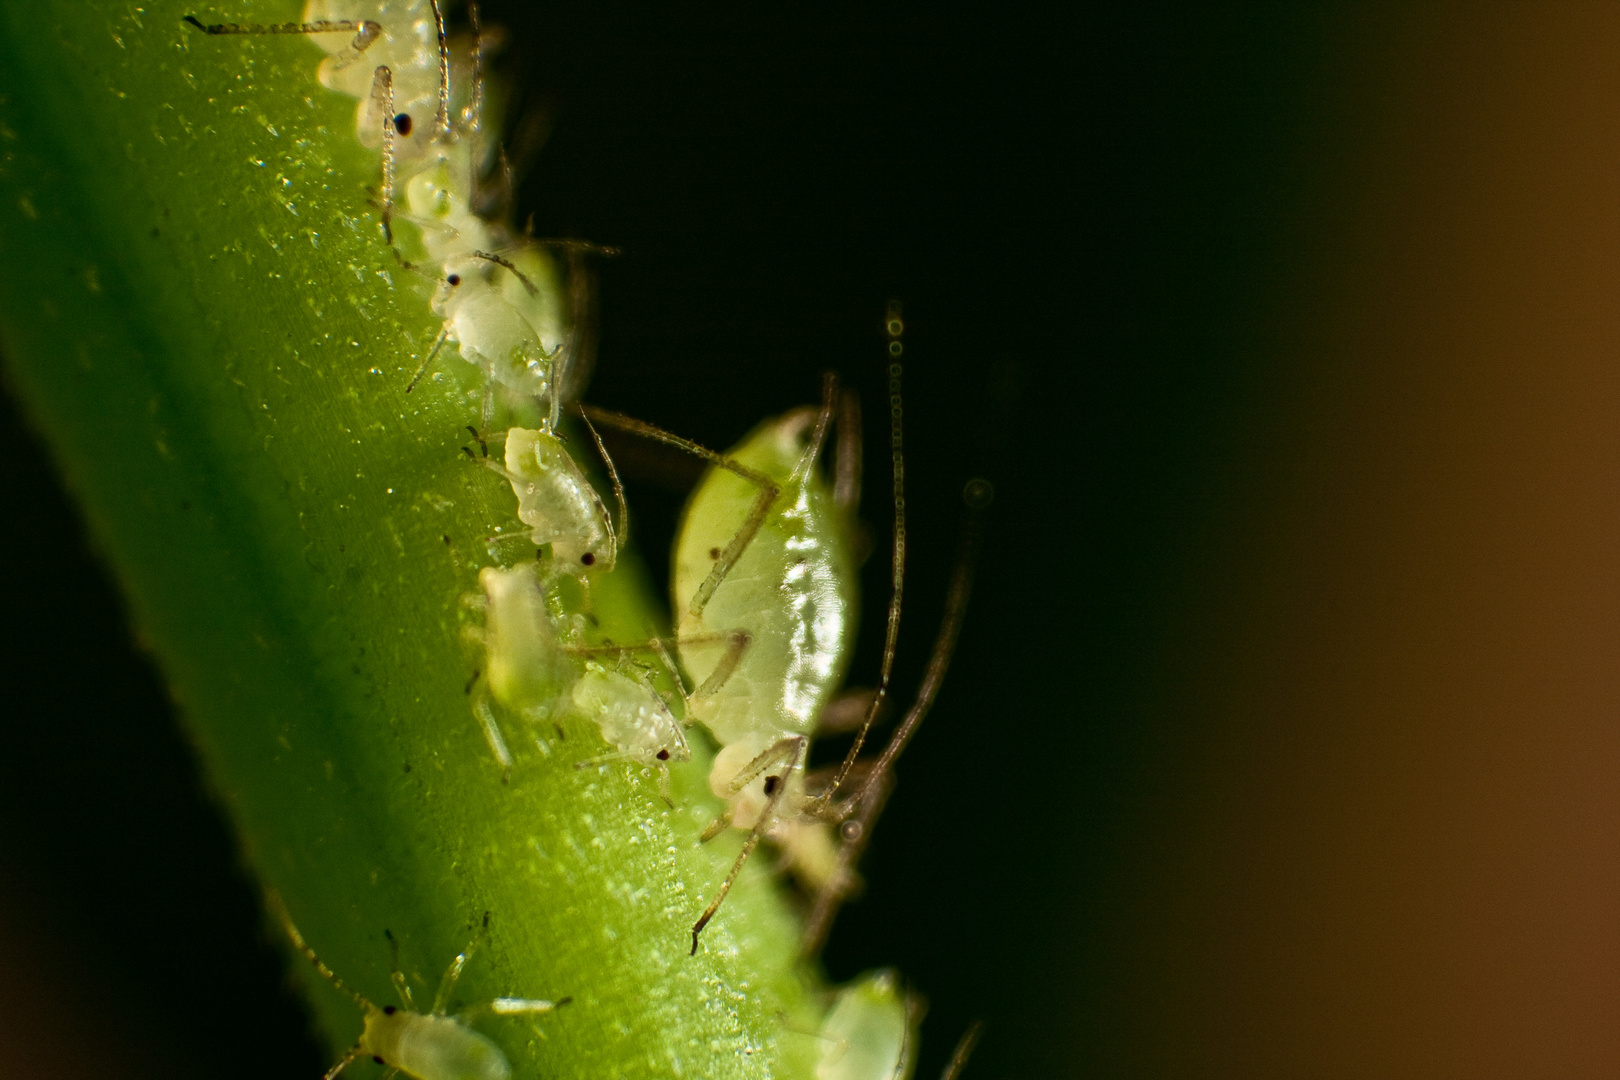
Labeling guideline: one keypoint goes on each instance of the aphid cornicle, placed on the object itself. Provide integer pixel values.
(425, 1046)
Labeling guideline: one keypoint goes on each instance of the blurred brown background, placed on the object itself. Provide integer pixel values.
(1286, 733)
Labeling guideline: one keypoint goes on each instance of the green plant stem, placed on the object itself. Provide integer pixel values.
(200, 312)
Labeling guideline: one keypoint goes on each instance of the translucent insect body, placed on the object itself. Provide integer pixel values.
(870, 1032)
(535, 669)
(421, 103)
(425, 1046)
(763, 587)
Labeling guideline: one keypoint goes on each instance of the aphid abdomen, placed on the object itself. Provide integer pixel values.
(867, 1034)
(442, 1048)
(525, 665)
(497, 338)
(558, 502)
(792, 591)
(633, 718)
(439, 198)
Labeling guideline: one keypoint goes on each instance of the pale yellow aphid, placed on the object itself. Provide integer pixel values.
(424, 1046)
(557, 502)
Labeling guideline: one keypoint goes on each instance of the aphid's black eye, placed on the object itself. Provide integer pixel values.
(378, 1059)
(714, 553)
(770, 784)
(588, 559)
(663, 755)
(402, 123)
(454, 279)
(390, 1010)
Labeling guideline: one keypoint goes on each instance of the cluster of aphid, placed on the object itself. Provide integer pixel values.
(764, 574)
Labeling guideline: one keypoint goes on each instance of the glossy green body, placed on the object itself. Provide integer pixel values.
(792, 591)
(868, 1034)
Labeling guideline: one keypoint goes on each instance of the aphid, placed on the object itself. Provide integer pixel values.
(766, 630)
(870, 1032)
(531, 671)
(426, 1046)
(498, 296)
(763, 585)
(558, 503)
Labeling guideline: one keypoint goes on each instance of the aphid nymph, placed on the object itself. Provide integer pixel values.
(424, 1046)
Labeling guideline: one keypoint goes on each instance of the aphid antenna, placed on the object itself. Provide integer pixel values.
(858, 813)
(571, 244)
(964, 1050)
(622, 536)
(897, 562)
(568, 376)
(768, 491)
(847, 454)
(501, 261)
(365, 32)
(977, 494)
(855, 833)
(274, 902)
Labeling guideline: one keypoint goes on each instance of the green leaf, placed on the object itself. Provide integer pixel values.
(202, 315)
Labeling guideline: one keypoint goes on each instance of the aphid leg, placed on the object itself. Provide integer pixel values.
(511, 1006)
(718, 825)
(492, 734)
(847, 453)
(473, 115)
(674, 670)
(428, 359)
(380, 110)
(447, 983)
(855, 833)
(859, 812)
(396, 976)
(365, 32)
(789, 751)
(343, 1062)
(737, 643)
(441, 122)
(964, 1050)
(939, 660)
(768, 491)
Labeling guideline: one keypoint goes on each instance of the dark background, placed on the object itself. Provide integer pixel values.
(1093, 214)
